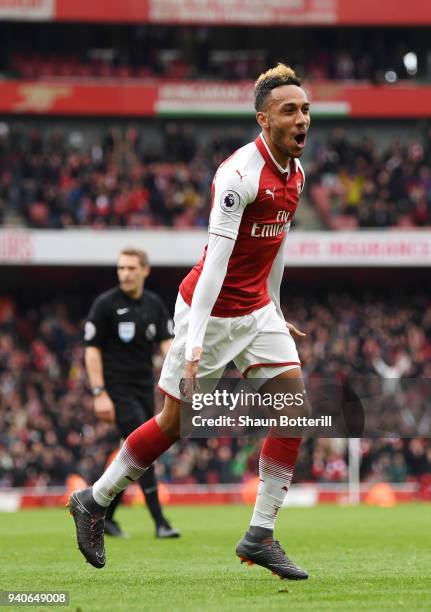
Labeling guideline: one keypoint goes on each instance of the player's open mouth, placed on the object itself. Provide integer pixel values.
(300, 139)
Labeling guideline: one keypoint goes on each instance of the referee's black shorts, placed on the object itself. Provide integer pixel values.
(133, 406)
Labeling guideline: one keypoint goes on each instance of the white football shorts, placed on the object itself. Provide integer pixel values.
(259, 344)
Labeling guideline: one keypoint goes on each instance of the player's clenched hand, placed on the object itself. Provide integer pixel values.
(294, 330)
(104, 408)
(189, 384)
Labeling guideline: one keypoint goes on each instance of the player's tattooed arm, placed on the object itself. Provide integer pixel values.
(190, 384)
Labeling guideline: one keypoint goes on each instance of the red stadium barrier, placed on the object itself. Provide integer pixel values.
(135, 98)
(180, 495)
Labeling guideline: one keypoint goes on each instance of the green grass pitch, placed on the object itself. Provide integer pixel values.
(359, 558)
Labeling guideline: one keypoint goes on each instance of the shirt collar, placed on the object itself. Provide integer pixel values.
(129, 298)
(278, 166)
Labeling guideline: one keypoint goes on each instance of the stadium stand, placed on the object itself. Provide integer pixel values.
(179, 53)
(53, 179)
(354, 184)
(114, 117)
(88, 175)
(48, 430)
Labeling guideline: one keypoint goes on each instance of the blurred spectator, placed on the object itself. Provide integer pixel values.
(392, 373)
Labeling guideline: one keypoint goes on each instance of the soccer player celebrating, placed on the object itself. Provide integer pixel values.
(228, 309)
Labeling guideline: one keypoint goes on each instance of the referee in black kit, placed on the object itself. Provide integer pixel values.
(124, 326)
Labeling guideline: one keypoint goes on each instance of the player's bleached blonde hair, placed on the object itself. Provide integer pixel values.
(272, 78)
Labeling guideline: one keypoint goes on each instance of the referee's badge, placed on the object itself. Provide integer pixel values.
(151, 331)
(126, 330)
(89, 331)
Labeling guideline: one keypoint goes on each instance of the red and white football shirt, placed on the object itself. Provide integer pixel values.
(253, 202)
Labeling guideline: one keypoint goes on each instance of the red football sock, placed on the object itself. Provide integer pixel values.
(276, 465)
(138, 452)
(147, 443)
(281, 450)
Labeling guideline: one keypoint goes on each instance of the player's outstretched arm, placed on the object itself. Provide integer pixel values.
(232, 193)
(274, 283)
(205, 296)
(276, 276)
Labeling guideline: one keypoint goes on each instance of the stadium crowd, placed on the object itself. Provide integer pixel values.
(56, 181)
(211, 53)
(353, 184)
(48, 429)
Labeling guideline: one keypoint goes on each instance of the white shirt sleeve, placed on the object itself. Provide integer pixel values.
(276, 275)
(301, 169)
(232, 192)
(207, 290)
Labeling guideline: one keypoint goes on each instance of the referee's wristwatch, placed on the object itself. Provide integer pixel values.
(96, 391)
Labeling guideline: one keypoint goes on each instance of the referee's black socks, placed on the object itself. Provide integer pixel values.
(148, 484)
